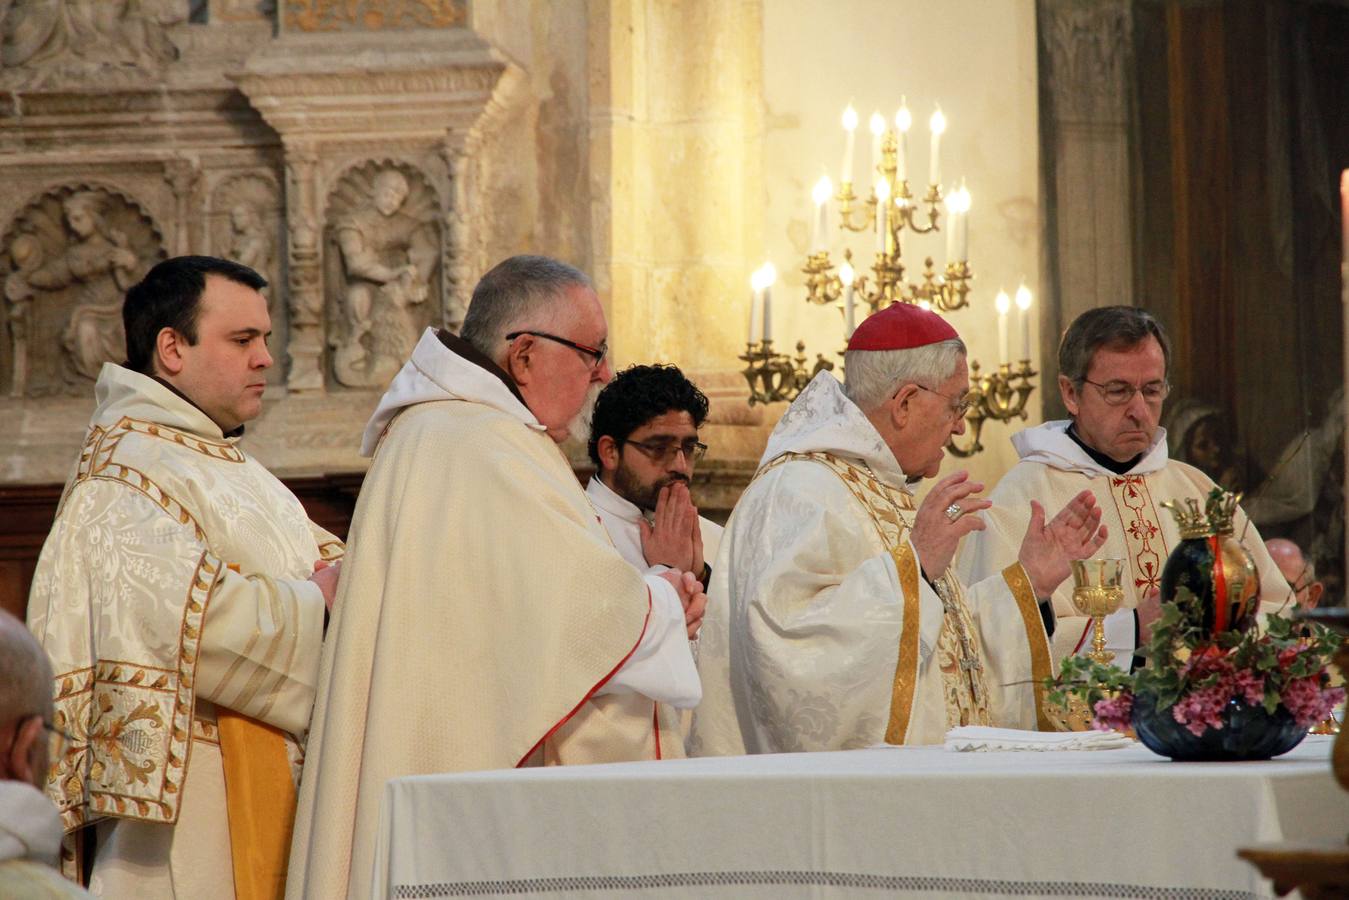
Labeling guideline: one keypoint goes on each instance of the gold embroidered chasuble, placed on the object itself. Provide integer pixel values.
(822, 634)
(1052, 471)
(173, 582)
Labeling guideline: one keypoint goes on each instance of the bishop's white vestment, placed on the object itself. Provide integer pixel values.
(484, 619)
(1053, 468)
(172, 588)
(821, 631)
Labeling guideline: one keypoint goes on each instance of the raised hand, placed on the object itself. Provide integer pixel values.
(1048, 548)
(944, 518)
(669, 540)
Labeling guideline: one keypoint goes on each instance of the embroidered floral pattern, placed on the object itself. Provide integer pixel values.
(1147, 546)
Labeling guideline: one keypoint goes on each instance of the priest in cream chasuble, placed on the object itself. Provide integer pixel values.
(174, 594)
(833, 621)
(1113, 366)
(485, 620)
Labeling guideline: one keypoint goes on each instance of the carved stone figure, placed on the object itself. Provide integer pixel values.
(389, 249)
(78, 251)
(86, 38)
(250, 243)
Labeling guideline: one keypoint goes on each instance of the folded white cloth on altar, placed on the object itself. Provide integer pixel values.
(980, 737)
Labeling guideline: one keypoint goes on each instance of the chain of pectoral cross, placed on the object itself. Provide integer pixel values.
(970, 665)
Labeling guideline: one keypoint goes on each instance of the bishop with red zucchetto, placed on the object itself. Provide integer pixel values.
(834, 619)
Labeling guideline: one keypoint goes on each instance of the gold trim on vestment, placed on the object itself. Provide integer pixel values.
(1041, 665)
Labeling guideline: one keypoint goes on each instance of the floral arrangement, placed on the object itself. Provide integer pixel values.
(1195, 674)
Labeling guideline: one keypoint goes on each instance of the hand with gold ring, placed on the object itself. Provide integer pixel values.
(944, 518)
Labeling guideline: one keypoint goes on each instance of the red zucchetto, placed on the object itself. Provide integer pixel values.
(901, 326)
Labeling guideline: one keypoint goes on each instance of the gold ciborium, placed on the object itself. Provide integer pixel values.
(1098, 592)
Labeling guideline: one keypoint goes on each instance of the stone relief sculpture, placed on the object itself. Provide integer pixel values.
(42, 40)
(374, 15)
(73, 255)
(387, 244)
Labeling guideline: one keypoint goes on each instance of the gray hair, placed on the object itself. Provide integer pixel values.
(1115, 327)
(25, 673)
(873, 376)
(521, 292)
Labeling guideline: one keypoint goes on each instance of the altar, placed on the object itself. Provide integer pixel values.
(905, 821)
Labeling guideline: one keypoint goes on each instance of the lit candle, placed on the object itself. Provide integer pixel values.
(953, 219)
(963, 242)
(770, 275)
(903, 122)
(755, 299)
(938, 124)
(847, 276)
(1023, 313)
(882, 213)
(849, 126)
(819, 235)
(1003, 304)
(877, 135)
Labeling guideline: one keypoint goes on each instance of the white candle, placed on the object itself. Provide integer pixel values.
(882, 213)
(938, 125)
(755, 298)
(849, 126)
(770, 275)
(877, 135)
(963, 243)
(1003, 304)
(952, 223)
(847, 276)
(819, 238)
(1023, 314)
(903, 122)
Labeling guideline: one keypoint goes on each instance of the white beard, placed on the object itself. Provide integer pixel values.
(578, 429)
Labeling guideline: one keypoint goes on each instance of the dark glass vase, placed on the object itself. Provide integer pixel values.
(1191, 565)
(1248, 732)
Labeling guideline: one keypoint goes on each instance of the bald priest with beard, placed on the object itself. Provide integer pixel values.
(490, 623)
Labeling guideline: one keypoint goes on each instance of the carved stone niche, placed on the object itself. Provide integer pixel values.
(68, 258)
(382, 251)
(246, 223)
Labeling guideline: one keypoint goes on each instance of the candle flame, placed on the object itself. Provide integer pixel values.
(1023, 297)
(850, 118)
(882, 190)
(846, 274)
(938, 122)
(877, 123)
(1003, 303)
(769, 274)
(903, 118)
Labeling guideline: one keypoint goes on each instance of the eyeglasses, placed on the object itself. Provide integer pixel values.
(664, 452)
(958, 407)
(1118, 393)
(596, 354)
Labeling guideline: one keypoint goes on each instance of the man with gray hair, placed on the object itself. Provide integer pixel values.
(30, 828)
(835, 622)
(1113, 368)
(490, 621)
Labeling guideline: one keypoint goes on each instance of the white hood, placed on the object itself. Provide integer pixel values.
(435, 372)
(122, 392)
(822, 418)
(1050, 445)
(30, 827)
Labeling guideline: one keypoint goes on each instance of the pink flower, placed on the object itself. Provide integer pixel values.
(1202, 709)
(1308, 703)
(1249, 686)
(1114, 712)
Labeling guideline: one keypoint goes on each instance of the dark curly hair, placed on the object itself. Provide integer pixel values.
(637, 395)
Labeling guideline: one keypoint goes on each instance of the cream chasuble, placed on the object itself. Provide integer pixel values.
(173, 582)
(484, 619)
(1053, 469)
(822, 634)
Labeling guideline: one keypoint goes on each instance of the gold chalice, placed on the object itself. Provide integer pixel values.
(1098, 592)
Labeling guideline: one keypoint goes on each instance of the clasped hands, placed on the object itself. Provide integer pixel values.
(1047, 548)
(674, 539)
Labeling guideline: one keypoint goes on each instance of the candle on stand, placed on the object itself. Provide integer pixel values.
(819, 236)
(1003, 304)
(882, 213)
(952, 223)
(849, 126)
(877, 135)
(938, 124)
(903, 122)
(755, 299)
(848, 276)
(963, 238)
(1023, 315)
(770, 275)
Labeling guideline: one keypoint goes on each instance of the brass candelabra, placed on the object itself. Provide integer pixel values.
(777, 377)
(1000, 395)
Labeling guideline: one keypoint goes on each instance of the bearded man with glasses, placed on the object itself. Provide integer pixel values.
(835, 620)
(1113, 367)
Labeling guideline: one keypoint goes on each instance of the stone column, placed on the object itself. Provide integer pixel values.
(303, 262)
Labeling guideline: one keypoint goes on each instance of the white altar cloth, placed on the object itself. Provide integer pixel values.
(910, 821)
